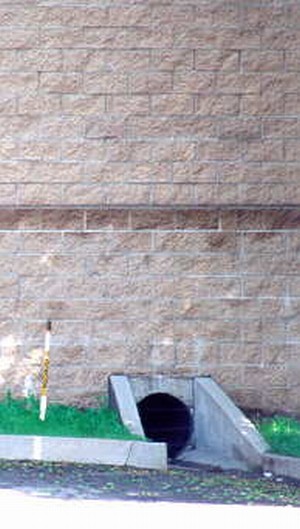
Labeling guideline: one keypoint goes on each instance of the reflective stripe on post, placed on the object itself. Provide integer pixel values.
(45, 374)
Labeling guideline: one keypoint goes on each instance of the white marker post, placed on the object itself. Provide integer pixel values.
(45, 374)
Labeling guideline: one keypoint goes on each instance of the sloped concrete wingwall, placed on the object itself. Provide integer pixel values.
(149, 171)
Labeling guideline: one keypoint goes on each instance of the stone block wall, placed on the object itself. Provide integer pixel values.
(181, 102)
(149, 194)
(185, 292)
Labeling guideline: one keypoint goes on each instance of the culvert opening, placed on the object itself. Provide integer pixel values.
(166, 418)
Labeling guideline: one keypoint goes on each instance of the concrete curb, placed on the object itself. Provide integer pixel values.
(279, 465)
(138, 454)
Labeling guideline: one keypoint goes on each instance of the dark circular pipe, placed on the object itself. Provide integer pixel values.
(166, 418)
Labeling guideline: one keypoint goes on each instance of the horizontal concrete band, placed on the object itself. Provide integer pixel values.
(137, 454)
(134, 218)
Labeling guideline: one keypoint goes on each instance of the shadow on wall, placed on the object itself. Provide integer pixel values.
(19, 373)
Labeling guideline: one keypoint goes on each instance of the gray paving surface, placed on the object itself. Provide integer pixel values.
(192, 485)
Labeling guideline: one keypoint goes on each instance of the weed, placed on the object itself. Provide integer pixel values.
(282, 433)
(21, 417)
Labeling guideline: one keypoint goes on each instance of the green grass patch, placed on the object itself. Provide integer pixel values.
(21, 417)
(282, 433)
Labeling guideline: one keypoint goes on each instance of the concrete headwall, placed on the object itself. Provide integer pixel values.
(119, 121)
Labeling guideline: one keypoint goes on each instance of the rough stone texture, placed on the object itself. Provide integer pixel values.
(109, 103)
(187, 292)
(118, 123)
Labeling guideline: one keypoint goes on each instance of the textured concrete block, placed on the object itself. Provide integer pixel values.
(75, 62)
(183, 106)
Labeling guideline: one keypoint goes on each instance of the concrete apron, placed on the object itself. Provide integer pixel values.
(222, 435)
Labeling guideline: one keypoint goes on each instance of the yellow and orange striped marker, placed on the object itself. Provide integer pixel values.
(45, 374)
